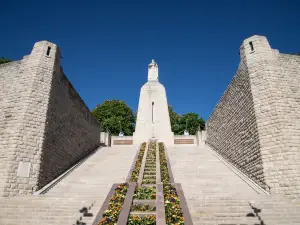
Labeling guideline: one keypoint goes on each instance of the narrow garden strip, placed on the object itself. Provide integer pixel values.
(173, 211)
(164, 172)
(136, 171)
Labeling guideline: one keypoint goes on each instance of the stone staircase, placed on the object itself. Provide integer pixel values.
(85, 187)
(216, 195)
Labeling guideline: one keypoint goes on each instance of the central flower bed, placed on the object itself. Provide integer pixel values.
(145, 193)
(143, 207)
(141, 220)
(150, 165)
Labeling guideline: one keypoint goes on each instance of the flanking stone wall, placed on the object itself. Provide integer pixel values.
(274, 130)
(45, 126)
(232, 127)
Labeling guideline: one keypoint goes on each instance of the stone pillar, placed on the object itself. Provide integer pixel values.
(203, 136)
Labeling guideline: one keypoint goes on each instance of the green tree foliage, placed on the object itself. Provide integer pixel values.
(109, 113)
(201, 123)
(4, 60)
(178, 122)
(174, 119)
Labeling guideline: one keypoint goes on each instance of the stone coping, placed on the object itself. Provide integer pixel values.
(142, 213)
(183, 205)
(158, 176)
(144, 201)
(125, 210)
(238, 172)
(160, 205)
(105, 204)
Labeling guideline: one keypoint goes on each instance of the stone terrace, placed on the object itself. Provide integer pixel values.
(86, 186)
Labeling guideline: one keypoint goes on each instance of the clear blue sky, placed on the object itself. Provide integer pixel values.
(107, 45)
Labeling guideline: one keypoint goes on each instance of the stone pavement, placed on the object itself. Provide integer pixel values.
(86, 186)
(216, 195)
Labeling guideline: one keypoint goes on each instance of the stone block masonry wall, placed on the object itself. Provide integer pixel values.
(71, 132)
(45, 126)
(10, 114)
(274, 80)
(232, 129)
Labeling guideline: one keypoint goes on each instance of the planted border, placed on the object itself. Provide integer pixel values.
(173, 210)
(164, 171)
(111, 214)
(105, 204)
(136, 171)
(176, 210)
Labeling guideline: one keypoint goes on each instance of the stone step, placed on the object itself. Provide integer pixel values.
(149, 181)
(148, 185)
(147, 176)
(137, 213)
(227, 220)
(145, 202)
(150, 173)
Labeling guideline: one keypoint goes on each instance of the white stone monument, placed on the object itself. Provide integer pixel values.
(153, 120)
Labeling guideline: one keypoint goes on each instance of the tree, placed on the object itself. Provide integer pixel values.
(191, 120)
(174, 119)
(201, 123)
(4, 60)
(109, 113)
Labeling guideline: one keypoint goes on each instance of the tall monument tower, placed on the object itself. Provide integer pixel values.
(153, 120)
